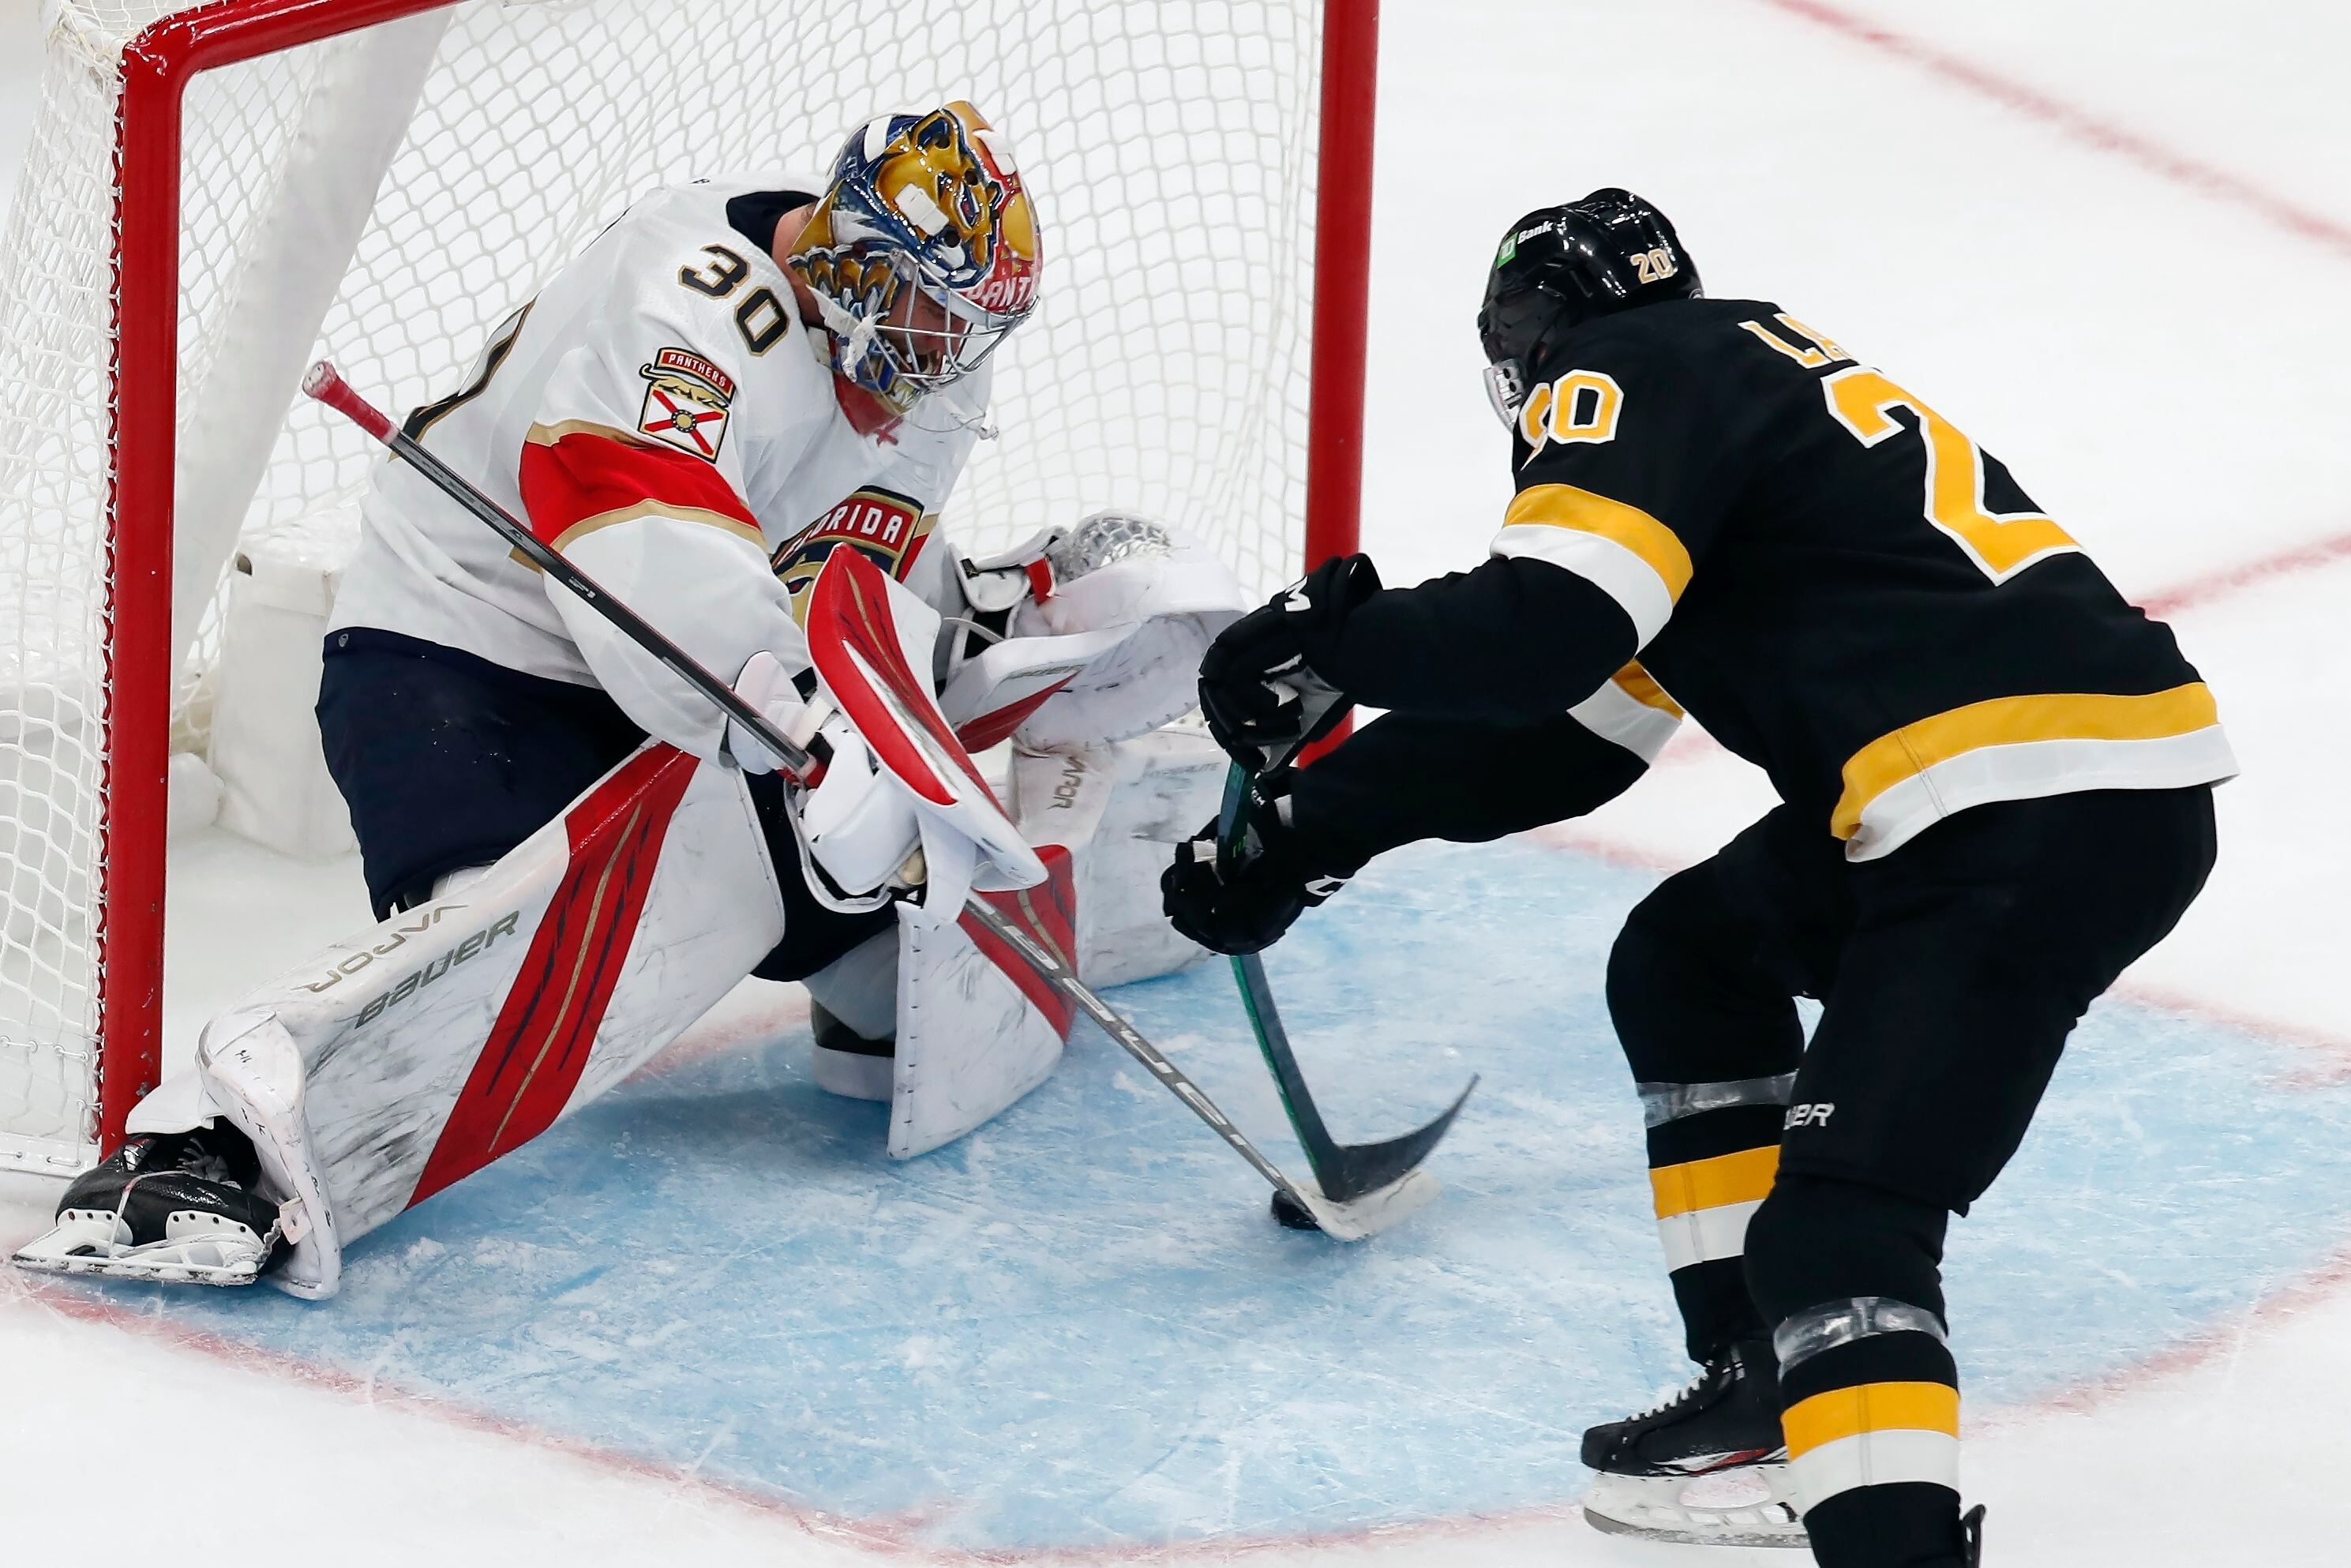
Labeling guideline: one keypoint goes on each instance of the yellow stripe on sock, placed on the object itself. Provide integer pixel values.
(1743, 1178)
(1870, 1407)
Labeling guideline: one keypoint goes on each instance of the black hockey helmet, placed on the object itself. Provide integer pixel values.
(1559, 267)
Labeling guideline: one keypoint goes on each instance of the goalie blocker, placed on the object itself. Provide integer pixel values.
(397, 1063)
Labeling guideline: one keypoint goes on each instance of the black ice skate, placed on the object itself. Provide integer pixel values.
(1706, 1467)
(175, 1207)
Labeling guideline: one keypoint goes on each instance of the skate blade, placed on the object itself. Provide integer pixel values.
(85, 1246)
(1746, 1507)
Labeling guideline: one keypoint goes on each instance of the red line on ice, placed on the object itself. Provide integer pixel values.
(887, 1537)
(79, 1303)
(2268, 1311)
(2254, 573)
(2078, 124)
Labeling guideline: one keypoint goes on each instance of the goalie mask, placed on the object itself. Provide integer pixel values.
(922, 255)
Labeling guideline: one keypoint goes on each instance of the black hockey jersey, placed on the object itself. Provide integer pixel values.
(1838, 584)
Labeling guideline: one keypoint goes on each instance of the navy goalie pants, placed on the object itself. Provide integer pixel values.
(447, 760)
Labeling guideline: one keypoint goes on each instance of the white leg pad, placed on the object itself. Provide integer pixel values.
(860, 989)
(1120, 810)
(178, 1105)
(402, 1059)
(977, 1028)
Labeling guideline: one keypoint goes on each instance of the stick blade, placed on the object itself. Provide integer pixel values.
(1368, 1214)
(1364, 1168)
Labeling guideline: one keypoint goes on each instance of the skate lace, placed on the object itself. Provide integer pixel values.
(1688, 1392)
(207, 1166)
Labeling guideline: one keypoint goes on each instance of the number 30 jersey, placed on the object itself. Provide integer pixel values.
(1835, 583)
(660, 414)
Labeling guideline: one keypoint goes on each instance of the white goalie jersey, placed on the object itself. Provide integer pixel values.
(662, 415)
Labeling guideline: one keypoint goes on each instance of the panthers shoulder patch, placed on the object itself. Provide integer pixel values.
(686, 403)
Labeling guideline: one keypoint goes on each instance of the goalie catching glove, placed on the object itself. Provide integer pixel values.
(1265, 683)
(1245, 906)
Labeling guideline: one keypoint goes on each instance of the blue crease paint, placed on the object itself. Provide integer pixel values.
(1079, 1327)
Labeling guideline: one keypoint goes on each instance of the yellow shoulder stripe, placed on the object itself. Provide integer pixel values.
(1743, 1178)
(1870, 1407)
(1565, 507)
(1641, 687)
(2014, 721)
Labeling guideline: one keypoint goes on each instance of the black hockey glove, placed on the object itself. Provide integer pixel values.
(1260, 690)
(1244, 907)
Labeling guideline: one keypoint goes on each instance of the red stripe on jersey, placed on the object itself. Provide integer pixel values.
(582, 475)
(538, 1047)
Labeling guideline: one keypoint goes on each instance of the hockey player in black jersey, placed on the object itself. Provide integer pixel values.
(1996, 782)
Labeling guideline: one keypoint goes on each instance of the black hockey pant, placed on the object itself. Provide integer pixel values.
(1803, 1191)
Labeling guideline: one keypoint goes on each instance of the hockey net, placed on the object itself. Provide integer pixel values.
(387, 193)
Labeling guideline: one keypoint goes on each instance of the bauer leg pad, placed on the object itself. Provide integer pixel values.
(400, 1061)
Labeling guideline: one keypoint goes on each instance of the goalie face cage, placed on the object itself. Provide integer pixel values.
(215, 193)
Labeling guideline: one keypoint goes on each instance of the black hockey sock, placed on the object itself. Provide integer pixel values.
(1713, 1042)
(1909, 1524)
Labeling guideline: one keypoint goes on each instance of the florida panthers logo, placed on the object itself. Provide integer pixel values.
(949, 177)
(852, 276)
(968, 207)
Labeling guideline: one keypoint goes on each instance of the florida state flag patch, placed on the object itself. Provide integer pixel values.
(687, 399)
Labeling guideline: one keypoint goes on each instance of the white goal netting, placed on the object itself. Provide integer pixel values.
(1169, 143)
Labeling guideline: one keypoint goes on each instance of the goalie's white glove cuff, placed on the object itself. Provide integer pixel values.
(997, 584)
(859, 823)
(772, 688)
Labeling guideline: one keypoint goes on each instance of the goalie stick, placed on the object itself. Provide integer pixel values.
(1349, 1220)
(1343, 1171)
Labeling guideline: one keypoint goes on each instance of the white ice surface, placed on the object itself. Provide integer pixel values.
(2158, 356)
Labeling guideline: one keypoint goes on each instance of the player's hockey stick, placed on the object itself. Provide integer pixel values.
(1348, 1220)
(1343, 1171)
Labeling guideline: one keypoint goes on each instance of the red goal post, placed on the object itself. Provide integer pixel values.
(1297, 453)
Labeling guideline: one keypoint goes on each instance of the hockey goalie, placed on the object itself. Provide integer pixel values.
(572, 853)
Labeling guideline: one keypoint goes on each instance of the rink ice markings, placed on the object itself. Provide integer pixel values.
(2077, 124)
(893, 1538)
(901, 1536)
(2262, 570)
(370, 1389)
(2230, 1336)
(728, 1027)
